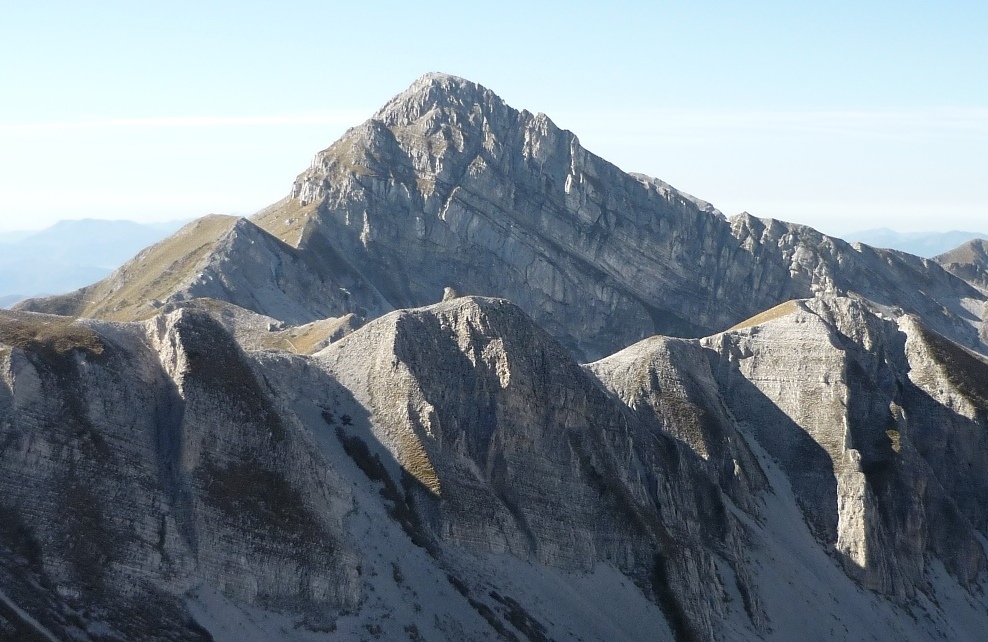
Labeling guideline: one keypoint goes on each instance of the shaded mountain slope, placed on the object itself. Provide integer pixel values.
(251, 439)
(522, 453)
(134, 460)
(858, 410)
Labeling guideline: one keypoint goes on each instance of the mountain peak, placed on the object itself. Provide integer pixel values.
(437, 90)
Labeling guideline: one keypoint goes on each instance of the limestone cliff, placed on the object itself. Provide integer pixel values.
(846, 401)
(449, 186)
(141, 461)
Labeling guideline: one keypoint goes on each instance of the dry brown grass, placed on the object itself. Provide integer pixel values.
(286, 220)
(777, 312)
(968, 373)
(155, 273)
(895, 438)
(311, 337)
(56, 334)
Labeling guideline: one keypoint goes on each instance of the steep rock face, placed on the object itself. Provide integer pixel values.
(229, 259)
(449, 186)
(140, 461)
(450, 472)
(841, 398)
(516, 450)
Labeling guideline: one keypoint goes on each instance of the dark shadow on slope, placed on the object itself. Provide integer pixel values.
(806, 463)
(412, 505)
(925, 467)
(401, 502)
(955, 448)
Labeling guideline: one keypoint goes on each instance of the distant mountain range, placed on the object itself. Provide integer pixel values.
(925, 244)
(70, 254)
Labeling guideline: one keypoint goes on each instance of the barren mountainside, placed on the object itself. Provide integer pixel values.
(469, 381)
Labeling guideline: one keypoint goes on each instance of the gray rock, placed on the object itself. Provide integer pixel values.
(861, 412)
(448, 185)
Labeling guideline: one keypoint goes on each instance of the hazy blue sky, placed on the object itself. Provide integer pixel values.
(841, 115)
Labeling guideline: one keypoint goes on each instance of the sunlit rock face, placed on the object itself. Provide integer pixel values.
(846, 401)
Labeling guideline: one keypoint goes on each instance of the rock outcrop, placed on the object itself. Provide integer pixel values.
(844, 400)
(142, 461)
(448, 185)
(516, 450)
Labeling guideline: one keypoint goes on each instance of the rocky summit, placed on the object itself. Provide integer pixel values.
(469, 381)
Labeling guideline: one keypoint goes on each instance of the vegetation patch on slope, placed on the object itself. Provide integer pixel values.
(216, 364)
(771, 314)
(49, 333)
(155, 273)
(286, 219)
(400, 509)
(262, 498)
(311, 337)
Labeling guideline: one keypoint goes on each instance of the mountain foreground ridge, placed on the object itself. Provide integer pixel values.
(297, 427)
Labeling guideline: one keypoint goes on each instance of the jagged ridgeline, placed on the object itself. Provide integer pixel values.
(368, 413)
